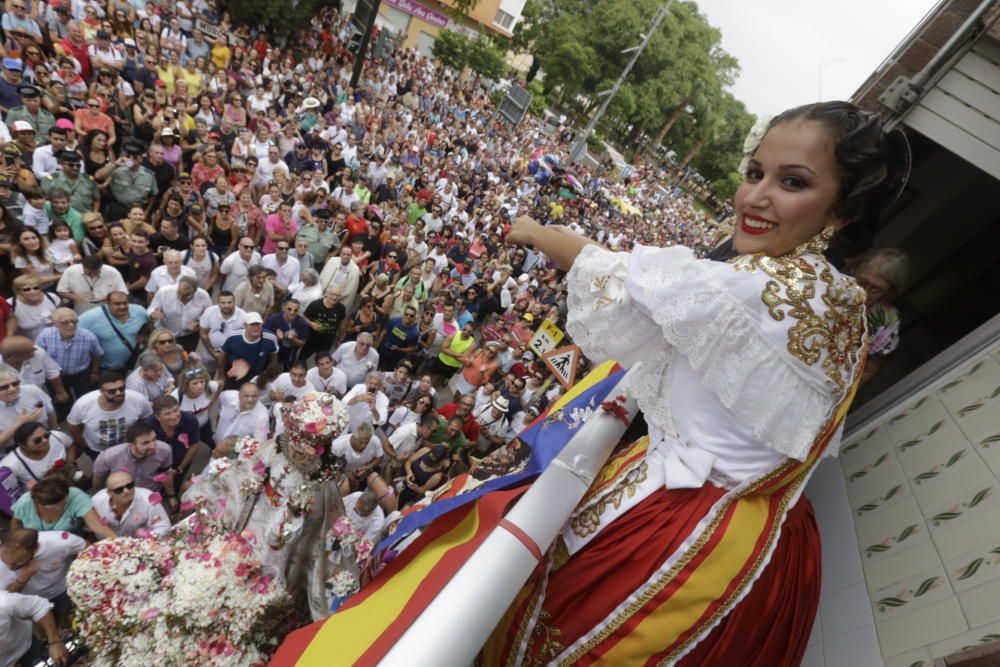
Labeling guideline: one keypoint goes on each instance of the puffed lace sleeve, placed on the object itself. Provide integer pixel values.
(778, 340)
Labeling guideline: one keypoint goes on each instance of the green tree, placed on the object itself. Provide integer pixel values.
(480, 55)
(276, 17)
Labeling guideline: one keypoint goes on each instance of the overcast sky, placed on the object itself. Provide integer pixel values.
(782, 45)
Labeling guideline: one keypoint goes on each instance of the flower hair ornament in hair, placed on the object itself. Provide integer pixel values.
(752, 141)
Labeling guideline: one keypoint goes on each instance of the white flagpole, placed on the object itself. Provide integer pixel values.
(456, 624)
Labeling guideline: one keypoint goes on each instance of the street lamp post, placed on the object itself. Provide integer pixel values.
(580, 147)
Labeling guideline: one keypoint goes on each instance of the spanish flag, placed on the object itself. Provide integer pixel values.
(364, 628)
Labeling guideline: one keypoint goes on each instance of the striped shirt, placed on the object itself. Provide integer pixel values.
(73, 356)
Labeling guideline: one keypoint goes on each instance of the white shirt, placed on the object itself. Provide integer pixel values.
(356, 460)
(179, 317)
(32, 319)
(355, 369)
(221, 327)
(27, 470)
(38, 368)
(283, 383)
(235, 269)
(75, 280)
(160, 277)
(369, 526)
(197, 406)
(56, 550)
(31, 397)
(405, 440)
(232, 421)
(101, 428)
(142, 513)
(491, 425)
(43, 163)
(17, 614)
(288, 272)
(305, 295)
(361, 412)
(336, 384)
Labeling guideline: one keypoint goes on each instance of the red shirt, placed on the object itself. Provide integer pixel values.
(356, 226)
(5, 312)
(470, 427)
(200, 174)
(80, 53)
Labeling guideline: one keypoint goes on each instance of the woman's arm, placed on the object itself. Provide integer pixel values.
(560, 244)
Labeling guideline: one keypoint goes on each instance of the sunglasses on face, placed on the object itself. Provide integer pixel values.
(31, 289)
(10, 385)
(39, 439)
(123, 488)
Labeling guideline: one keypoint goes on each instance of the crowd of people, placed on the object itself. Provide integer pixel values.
(195, 232)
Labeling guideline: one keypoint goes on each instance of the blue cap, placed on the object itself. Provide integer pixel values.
(12, 63)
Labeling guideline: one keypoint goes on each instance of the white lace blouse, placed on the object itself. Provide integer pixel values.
(742, 362)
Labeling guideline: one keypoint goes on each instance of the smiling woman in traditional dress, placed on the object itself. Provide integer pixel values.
(694, 546)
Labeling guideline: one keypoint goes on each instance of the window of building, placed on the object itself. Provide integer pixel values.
(503, 19)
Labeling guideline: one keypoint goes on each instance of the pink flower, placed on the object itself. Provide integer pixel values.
(64, 535)
(155, 498)
(162, 477)
(341, 527)
(328, 409)
(187, 506)
(222, 502)
(242, 569)
(259, 468)
(311, 427)
(144, 533)
(149, 614)
(319, 449)
(183, 437)
(103, 521)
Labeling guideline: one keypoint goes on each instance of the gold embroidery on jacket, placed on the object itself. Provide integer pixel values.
(588, 520)
(839, 331)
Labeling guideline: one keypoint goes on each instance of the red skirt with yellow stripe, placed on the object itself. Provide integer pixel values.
(769, 627)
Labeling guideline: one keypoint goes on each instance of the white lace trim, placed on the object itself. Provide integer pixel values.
(755, 378)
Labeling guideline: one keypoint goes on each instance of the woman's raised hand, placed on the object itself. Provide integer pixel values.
(523, 231)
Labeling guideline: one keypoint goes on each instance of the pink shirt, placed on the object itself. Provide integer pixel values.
(274, 225)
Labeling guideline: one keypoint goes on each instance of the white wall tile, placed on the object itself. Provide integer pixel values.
(901, 566)
(980, 635)
(956, 537)
(841, 568)
(922, 627)
(920, 591)
(845, 610)
(982, 604)
(858, 648)
(958, 469)
(813, 656)
(975, 567)
(919, 658)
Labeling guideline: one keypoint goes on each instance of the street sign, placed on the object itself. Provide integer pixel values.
(563, 364)
(546, 338)
(515, 104)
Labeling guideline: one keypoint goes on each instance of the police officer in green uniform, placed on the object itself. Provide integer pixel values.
(31, 112)
(83, 193)
(131, 183)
